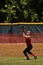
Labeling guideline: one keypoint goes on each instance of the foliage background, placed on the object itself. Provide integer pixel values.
(21, 11)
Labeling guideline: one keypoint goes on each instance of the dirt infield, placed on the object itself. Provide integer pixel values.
(16, 49)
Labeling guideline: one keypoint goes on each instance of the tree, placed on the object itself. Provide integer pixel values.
(21, 10)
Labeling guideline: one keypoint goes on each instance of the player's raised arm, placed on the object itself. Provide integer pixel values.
(23, 30)
(25, 35)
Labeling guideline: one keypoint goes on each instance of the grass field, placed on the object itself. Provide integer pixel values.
(12, 54)
(20, 61)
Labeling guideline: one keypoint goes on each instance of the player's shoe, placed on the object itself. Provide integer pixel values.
(35, 57)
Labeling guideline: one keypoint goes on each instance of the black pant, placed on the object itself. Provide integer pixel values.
(28, 49)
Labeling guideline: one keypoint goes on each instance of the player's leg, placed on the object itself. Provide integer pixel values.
(35, 57)
(25, 53)
(29, 51)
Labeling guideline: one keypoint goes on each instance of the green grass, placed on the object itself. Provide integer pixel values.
(20, 61)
